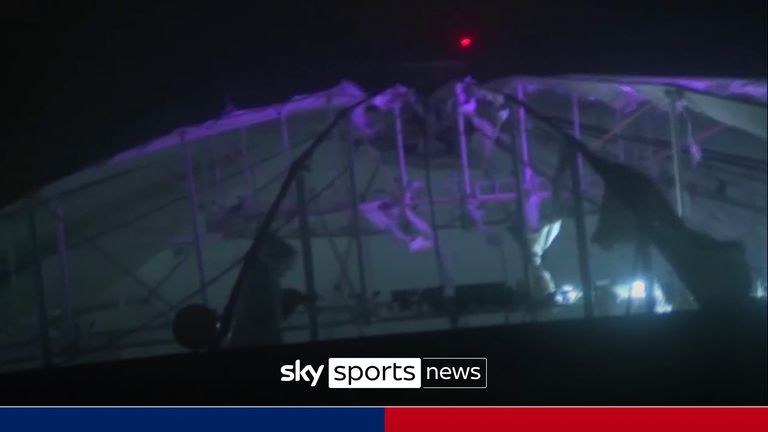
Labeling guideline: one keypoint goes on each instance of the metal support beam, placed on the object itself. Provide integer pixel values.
(306, 255)
(356, 215)
(445, 280)
(287, 149)
(343, 259)
(216, 186)
(520, 204)
(401, 150)
(620, 141)
(525, 155)
(581, 228)
(205, 193)
(463, 144)
(42, 311)
(194, 209)
(244, 163)
(674, 96)
(151, 290)
(64, 263)
(306, 239)
(621, 124)
(576, 117)
(61, 244)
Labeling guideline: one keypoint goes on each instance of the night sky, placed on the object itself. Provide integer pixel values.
(84, 80)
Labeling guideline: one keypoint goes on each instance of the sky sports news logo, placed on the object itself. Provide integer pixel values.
(388, 373)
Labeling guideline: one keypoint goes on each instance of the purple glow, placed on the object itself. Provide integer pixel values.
(385, 215)
(465, 104)
(528, 174)
(340, 96)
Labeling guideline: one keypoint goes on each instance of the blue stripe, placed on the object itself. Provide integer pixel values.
(192, 419)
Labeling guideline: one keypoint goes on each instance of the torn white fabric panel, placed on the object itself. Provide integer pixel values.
(746, 116)
(541, 240)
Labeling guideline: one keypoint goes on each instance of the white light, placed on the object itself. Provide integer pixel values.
(567, 294)
(638, 289)
(760, 291)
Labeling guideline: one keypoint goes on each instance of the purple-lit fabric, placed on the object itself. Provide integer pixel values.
(738, 103)
(391, 99)
(340, 96)
(385, 214)
(748, 89)
(622, 93)
(720, 99)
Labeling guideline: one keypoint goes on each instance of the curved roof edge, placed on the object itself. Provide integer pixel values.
(342, 95)
(738, 102)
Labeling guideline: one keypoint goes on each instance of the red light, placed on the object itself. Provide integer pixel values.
(465, 42)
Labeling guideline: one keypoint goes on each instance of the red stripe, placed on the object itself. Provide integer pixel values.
(575, 419)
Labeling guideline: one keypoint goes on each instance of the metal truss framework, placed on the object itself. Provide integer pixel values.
(523, 175)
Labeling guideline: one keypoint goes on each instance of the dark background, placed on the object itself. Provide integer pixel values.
(84, 79)
(675, 359)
